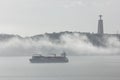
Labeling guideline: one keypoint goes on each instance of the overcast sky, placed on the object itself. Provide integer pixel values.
(31, 17)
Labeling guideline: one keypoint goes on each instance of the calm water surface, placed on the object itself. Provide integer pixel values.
(79, 68)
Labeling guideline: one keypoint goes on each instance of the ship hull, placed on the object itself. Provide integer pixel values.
(50, 60)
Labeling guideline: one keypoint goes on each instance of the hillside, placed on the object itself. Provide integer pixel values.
(74, 43)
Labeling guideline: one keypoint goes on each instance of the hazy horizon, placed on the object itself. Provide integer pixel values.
(30, 17)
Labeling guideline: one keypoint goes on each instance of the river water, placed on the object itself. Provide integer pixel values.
(78, 68)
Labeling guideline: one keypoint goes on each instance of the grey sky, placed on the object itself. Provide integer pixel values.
(30, 17)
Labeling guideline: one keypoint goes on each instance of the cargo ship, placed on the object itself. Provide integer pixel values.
(49, 59)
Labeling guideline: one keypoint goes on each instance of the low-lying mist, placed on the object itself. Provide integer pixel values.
(75, 44)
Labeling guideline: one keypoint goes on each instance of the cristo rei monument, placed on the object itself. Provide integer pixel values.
(100, 25)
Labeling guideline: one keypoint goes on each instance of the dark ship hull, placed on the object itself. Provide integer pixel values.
(49, 59)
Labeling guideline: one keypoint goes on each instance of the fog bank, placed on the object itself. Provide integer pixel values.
(72, 44)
